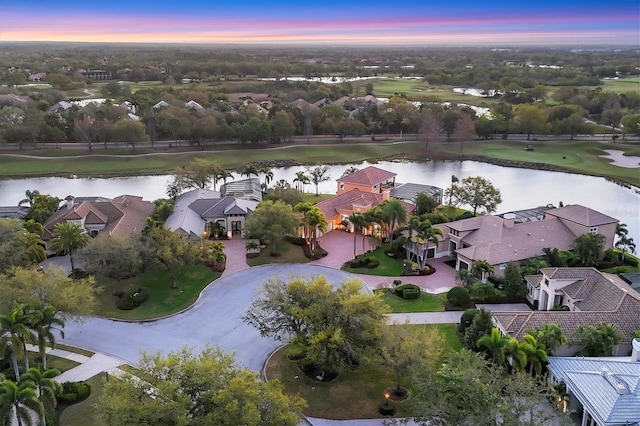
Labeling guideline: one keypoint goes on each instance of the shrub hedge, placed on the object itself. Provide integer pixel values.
(364, 262)
(408, 291)
(459, 296)
(73, 392)
(133, 300)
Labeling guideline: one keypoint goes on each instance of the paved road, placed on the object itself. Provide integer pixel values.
(214, 319)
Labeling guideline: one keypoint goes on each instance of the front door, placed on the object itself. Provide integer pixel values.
(236, 226)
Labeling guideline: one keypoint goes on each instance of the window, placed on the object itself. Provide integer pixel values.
(453, 232)
(593, 230)
(503, 266)
(341, 185)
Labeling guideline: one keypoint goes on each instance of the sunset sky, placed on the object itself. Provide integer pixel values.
(331, 22)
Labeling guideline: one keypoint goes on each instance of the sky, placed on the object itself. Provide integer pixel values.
(331, 22)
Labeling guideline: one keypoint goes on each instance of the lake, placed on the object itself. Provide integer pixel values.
(520, 188)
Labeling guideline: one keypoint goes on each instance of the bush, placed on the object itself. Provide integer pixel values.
(397, 282)
(355, 263)
(465, 215)
(73, 392)
(411, 293)
(459, 296)
(307, 365)
(118, 294)
(465, 320)
(372, 263)
(631, 261)
(133, 300)
(408, 291)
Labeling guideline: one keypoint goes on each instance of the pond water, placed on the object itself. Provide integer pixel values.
(520, 188)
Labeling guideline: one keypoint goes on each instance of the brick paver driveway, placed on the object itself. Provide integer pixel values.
(339, 244)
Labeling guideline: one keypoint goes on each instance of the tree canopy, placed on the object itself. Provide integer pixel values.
(208, 388)
(476, 192)
(271, 221)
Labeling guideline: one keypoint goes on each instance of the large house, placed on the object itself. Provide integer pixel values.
(500, 240)
(572, 297)
(126, 214)
(605, 391)
(363, 189)
(194, 210)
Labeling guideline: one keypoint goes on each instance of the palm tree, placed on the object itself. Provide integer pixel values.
(222, 175)
(319, 174)
(349, 170)
(15, 332)
(47, 322)
(515, 353)
(317, 222)
(358, 221)
(395, 214)
(34, 247)
(304, 208)
(536, 352)
(454, 180)
(68, 237)
(551, 336)
(34, 227)
(426, 235)
(249, 170)
(599, 339)
(44, 385)
(268, 175)
(482, 268)
(621, 230)
(466, 278)
(19, 402)
(495, 343)
(301, 180)
(626, 245)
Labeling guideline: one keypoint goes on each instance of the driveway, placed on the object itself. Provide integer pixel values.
(215, 319)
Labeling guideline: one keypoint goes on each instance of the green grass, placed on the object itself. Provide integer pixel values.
(98, 164)
(354, 394)
(426, 303)
(388, 267)
(311, 197)
(163, 300)
(621, 85)
(83, 412)
(61, 364)
(288, 253)
(73, 349)
(581, 157)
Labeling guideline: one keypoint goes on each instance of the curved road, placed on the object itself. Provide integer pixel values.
(214, 319)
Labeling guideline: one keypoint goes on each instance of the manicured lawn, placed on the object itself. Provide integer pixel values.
(388, 266)
(163, 300)
(73, 349)
(289, 253)
(61, 364)
(311, 197)
(83, 413)
(426, 303)
(354, 394)
(230, 158)
(576, 156)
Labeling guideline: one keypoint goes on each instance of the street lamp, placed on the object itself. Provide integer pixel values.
(387, 408)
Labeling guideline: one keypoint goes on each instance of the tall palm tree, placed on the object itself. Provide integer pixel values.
(301, 180)
(304, 208)
(268, 175)
(454, 180)
(18, 402)
(621, 230)
(34, 247)
(495, 343)
(482, 268)
(45, 386)
(15, 332)
(47, 322)
(317, 222)
(536, 352)
(358, 221)
(551, 336)
(427, 234)
(349, 170)
(395, 214)
(626, 245)
(222, 175)
(68, 238)
(249, 170)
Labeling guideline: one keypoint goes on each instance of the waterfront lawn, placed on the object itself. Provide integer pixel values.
(163, 300)
(354, 394)
(575, 156)
(288, 253)
(388, 266)
(426, 303)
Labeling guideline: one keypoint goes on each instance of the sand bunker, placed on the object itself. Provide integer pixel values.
(621, 160)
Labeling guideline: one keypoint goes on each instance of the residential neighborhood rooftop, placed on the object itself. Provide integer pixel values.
(368, 176)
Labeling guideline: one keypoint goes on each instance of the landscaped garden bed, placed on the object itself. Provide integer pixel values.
(385, 266)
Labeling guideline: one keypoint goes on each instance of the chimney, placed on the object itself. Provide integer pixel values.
(386, 194)
(635, 352)
(69, 202)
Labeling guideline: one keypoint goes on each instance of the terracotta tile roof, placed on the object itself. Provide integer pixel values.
(368, 176)
(582, 215)
(347, 200)
(606, 300)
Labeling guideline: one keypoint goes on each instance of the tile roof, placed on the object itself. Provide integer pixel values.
(608, 389)
(581, 214)
(368, 176)
(347, 200)
(605, 300)
(409, 191)
(498, 240)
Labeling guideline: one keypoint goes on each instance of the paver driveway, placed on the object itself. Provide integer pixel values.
(214, 319)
